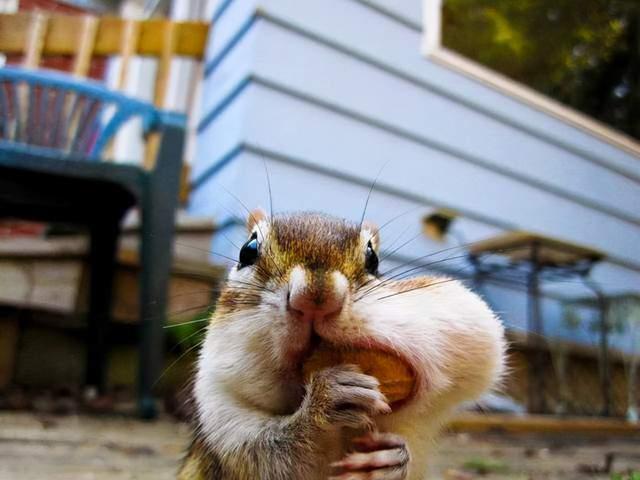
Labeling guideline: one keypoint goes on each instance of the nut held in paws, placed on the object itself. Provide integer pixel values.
(395, 377)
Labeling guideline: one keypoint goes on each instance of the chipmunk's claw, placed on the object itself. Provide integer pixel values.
(377, 456)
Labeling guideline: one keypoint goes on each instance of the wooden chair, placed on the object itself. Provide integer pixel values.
(33, 38)
(56, 135)
(53, 129)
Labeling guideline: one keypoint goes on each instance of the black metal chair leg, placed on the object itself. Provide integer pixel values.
(102, 264)
(158, 207)
(154, 283)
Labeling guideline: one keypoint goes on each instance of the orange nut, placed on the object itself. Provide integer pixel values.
(395, 377)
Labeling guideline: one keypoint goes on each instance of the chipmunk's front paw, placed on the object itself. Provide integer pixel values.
(343, 396)
(378, 456)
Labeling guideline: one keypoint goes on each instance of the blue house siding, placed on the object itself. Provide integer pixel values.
(407, 109)
(350, 26)
(326, 92)
(408, 12)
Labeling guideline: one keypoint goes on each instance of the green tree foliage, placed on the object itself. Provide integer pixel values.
(584, 53)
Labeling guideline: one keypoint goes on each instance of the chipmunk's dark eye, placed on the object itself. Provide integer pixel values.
(371, 260)
(249, 251)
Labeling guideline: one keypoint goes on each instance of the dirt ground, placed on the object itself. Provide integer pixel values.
(35, 447)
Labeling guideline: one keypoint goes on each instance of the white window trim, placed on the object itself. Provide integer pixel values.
(433, 49)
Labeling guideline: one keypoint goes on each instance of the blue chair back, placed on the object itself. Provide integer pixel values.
(51, 110)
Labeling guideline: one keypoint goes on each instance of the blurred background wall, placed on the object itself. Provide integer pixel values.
(332, 95)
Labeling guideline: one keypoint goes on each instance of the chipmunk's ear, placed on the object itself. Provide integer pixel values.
(255, 216)
(370, 233)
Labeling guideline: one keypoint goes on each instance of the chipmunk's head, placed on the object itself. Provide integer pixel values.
(299, 274)
(302, 278)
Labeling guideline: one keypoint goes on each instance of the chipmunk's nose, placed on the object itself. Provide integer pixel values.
(316, 295)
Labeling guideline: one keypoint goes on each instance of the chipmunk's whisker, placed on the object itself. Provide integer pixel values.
(226, 237)
(405, 263)
(422, 266)
(410, 262)
(189, 337)
(266, 171)
(194, 292)
(394, 242)
(245, 287)
(387, 253)
(251, 284)
(418, 288)
(190, 322)
(431, 254)
(175, 362)
(386, 281)
(396, 217)
(167, 315)
(206, 251)
(366, 203)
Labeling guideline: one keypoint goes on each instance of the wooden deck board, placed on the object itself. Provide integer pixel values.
(542, 424)
(34, 447)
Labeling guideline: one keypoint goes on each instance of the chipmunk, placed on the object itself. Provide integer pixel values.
(307, 278)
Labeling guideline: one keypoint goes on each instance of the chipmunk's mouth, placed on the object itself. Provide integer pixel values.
(297, 357)
(312, 344)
